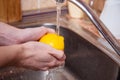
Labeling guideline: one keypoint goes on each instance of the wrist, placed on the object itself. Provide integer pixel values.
(18, 55)
(9, 35)
(9, 55)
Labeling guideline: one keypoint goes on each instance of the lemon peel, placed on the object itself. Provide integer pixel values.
(54, 40)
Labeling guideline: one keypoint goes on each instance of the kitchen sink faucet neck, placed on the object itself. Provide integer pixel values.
(60, 1)
(98, 24)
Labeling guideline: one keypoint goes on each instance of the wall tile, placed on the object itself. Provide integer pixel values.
(36, 4)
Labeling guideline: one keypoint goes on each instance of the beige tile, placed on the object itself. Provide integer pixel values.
(37, 4)
(29, 4)
(47, 3)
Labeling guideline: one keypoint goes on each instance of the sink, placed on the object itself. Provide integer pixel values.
(84, 62)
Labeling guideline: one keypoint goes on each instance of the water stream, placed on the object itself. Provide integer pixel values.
(59, 5)
(52, 72)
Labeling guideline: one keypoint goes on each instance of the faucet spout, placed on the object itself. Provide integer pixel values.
(60, 1)
(98, 24)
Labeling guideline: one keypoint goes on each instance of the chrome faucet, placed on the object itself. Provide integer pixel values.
(60, 1)
(98, 24)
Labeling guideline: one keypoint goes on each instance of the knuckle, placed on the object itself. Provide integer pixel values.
(42, 27)
(62, 56)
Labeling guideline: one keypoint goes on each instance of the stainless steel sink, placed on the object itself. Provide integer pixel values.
(84, 62)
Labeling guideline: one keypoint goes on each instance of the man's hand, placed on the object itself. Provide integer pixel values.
(39, 56)
(10, 35)
(34, 34)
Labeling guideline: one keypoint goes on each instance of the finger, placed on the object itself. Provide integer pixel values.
(58, 63)
(50, 30)
(44, 69)
(44, 30)
(41, 66)
(52, 63)
(63, 58)
(58, 54)
(47, 30)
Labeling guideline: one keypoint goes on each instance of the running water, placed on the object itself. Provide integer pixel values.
(52, 72)
(59, 5)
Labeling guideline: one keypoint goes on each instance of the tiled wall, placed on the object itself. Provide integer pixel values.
(41, 4)
(36, 4)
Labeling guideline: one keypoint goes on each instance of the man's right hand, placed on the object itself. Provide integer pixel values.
(39, 56)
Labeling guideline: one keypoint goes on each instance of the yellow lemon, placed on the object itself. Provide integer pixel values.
(56, 41)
